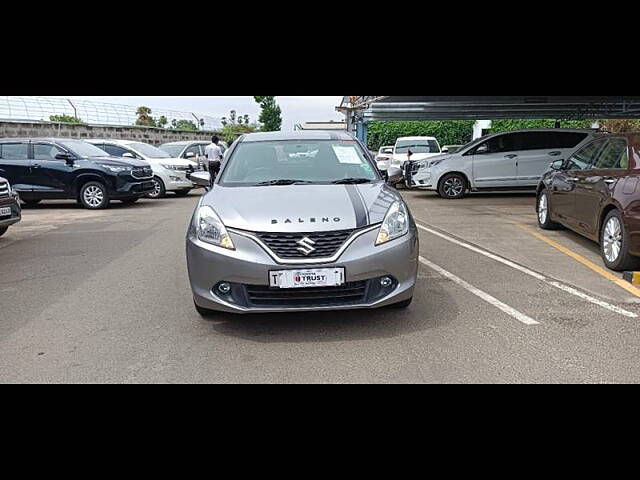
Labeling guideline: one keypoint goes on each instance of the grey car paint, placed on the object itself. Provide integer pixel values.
(300, 209)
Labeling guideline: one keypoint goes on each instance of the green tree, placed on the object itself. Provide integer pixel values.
(270, 114)
(64, 119)
(185, 125)
(144, 117)
(162, 122)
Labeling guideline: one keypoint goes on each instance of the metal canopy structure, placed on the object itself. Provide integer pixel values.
(492, 107)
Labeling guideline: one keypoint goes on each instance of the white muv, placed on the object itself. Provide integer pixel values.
(169, 174)
(414, 149)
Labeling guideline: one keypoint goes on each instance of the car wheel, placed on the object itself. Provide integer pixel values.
(402, 304)
(614, 244)
(3, 230)
(30, 203)
(544, 213)
(94, 196)
(182, 193)
(130, 201)
(452, 186)
(159, 189)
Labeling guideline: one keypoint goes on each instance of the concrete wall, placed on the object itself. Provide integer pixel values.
(154, 136)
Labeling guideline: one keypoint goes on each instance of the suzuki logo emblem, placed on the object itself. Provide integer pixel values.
(306, 246)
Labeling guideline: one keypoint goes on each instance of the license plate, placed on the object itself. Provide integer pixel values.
(5, 212)
(308, 277)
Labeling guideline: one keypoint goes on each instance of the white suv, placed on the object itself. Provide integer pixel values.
(502, 161)
(169, 174)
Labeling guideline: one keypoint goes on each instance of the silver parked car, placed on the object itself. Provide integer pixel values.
(502, 161)
(300, 221)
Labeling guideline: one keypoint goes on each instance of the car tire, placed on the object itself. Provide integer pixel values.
(204, 312)
(182, 193)
(614, 244)
(130, 201)
(452, 186)
(159, 188)
(30, 203)
(3, 230)
(94, 196)
(403, 304)
(544, 212)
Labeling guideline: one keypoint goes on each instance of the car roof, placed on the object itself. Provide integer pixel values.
(41, 139)
(188, 142)
(112, 140)
(298, 135)
(416, 138)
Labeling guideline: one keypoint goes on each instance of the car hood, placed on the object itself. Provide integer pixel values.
(301, 208)
(439, 156)
(172, 161)
(415, 157)
(119, 161)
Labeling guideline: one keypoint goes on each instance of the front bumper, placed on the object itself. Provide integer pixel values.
(176, 180)
(249, 266)
(137, 188)
(16, 211)
(418, 177)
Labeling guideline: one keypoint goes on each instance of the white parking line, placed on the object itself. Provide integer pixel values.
(521, 317)
(536, 275)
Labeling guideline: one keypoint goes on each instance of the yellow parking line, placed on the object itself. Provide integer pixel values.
(596, 268)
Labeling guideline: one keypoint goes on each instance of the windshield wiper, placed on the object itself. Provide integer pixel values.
(282, 182)
(351, 181)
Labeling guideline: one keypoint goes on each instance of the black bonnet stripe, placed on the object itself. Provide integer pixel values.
(359, 207)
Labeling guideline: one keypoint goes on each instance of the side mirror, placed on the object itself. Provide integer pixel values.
(556, 165)
(202, 179)
(394, 175)
(128, 155)
(482, 149)
(190, 155)
(444, 150)
(67, 157)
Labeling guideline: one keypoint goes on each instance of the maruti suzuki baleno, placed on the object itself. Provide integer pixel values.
(300, 221)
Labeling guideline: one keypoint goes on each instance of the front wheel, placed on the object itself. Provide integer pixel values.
(94, 196)
(159, 189)
(3, 230)
(452, 186)
(544, 213)
(614, 244)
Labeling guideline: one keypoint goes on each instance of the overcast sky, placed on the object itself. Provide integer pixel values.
(294, 109)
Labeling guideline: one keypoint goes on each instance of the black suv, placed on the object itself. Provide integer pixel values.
(55, 168)
(9, 206)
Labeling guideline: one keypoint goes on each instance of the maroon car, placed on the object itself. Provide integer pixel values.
(10, 211)
(596, 192)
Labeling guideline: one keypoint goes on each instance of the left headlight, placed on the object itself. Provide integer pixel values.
(395, 224)
(210, 229)
(116, 169)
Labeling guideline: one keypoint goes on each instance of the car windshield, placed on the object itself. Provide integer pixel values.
(304, 162)
(83, 149)
(417, 146)
(172, 150)
(149, 151)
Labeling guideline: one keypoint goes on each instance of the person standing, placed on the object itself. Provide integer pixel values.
(213, 151)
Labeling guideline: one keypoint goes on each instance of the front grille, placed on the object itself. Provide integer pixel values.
(4, 190)
(285, 245)
(142, 172)
(352, 293)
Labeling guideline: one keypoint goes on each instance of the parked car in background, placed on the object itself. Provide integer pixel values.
(596, 192)
(383, 158)
(169, 173)
(10, 212)
(502, 161)
(297, 222)
(191, 150)
(54, 168)
(414, 149)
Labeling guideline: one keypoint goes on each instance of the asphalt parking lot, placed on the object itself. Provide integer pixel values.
(103, 296)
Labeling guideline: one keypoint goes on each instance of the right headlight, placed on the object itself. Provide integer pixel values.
(210, 229)
(395, 224)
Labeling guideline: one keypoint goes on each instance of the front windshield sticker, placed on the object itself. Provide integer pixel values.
(347, 154)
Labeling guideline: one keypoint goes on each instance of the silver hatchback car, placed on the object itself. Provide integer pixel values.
(300, 221)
